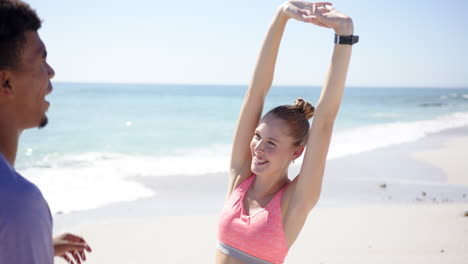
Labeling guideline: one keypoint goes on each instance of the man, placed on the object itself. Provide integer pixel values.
(25, 219)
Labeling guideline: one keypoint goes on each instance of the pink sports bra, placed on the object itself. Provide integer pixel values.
(257, 238)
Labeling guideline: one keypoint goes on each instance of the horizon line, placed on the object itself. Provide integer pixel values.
(273, 85)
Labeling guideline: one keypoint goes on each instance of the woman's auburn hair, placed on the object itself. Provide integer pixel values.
(296, 117)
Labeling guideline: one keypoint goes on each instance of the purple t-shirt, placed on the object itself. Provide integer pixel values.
(25, 220)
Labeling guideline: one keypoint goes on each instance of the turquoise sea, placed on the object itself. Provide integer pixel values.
(101, 135)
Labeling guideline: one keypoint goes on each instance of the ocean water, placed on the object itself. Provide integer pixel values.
(101, 135)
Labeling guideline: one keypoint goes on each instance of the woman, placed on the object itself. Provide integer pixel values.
(265, 211)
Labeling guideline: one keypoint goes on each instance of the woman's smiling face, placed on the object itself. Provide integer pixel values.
(271, 147)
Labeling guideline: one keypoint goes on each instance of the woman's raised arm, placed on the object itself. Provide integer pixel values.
(259, 86)
(253, 102)
(308, 184)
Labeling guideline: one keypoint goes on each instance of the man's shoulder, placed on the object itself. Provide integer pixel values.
(6, 171)
(15, 190)
(12, 180)
(25, 220)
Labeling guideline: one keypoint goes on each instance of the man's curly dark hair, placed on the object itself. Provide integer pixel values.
(16, 17)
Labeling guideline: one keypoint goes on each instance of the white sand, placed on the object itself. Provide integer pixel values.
(390, 234)
(452, 158)
(366, 234)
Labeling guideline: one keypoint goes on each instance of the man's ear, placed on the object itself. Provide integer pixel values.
(298, 151)
(6, 90)
(5, 85)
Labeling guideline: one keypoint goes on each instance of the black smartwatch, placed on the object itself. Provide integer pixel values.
(348, 40)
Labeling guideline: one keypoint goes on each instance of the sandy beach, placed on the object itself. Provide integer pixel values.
(366, 234)
(450, 158)
(402, 204)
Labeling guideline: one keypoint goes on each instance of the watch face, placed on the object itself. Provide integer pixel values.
(346, 39)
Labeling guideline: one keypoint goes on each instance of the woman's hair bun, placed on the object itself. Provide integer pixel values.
(305, 107)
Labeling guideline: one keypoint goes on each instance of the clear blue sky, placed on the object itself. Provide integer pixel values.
(403, 43)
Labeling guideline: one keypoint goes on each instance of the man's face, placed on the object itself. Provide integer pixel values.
(30, 83)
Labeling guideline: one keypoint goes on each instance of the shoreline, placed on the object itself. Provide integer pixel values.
(213, 186)
(355, 179)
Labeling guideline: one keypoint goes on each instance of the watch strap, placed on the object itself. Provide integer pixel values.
(348, 40)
